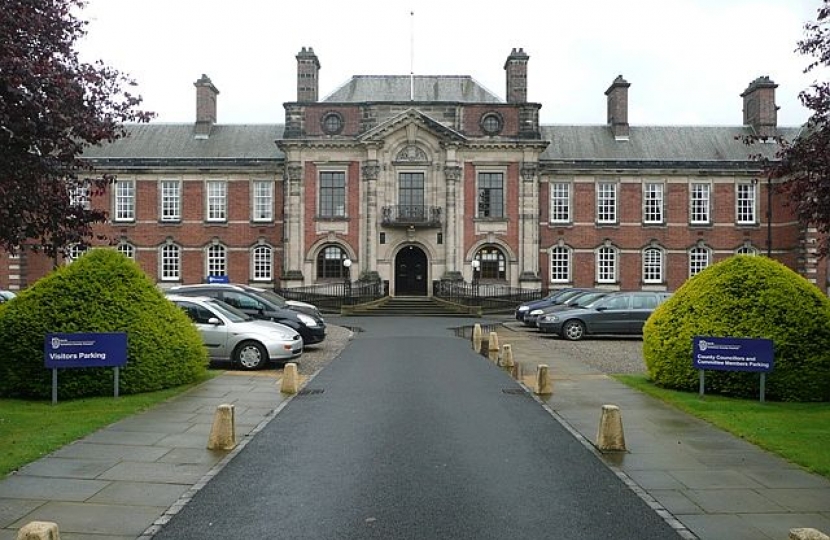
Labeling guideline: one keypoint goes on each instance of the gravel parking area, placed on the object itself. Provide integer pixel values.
(317, 356)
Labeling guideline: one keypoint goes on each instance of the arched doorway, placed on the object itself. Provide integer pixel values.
(411, 272)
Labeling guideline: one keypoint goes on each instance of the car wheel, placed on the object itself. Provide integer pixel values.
(573, 330)
(250, 355)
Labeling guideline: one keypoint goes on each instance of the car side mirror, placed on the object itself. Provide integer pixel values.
(214, 321)
(601, 308)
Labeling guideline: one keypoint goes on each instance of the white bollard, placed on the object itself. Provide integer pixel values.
(507, 356)
(223, 432)
(493, 347)
(610, 436)
(476, 337)
(290, 379)
(543, 384)
(39, 530)
(807, 534)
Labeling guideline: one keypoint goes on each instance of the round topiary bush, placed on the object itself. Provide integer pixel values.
(744, 297)
(103, 291)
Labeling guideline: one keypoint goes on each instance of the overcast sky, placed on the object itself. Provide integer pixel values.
(687, 60)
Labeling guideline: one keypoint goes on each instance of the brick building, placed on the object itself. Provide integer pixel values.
(426, 178)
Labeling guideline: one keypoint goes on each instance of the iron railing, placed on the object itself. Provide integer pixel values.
(330, 297)
(416, 215)
(491, 297)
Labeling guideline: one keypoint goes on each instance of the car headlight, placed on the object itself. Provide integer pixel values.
(523, 308)
(306, 320)
(550, 318)
(536, 312)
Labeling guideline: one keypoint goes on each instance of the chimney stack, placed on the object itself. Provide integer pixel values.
(618, 108)
(205, 107)
(516, 68)
(760, 111)
(308, 68)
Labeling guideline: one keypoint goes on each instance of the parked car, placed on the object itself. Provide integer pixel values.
(553, 299)
(5, 296)
(230, 334)
(616, 313)
(582, 299)
(259, 305)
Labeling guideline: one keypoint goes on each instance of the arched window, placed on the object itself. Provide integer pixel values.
(262, 263)
(652, 265)
(217, 260)
(126, 249)
(606, 264)
(170, 262)
(746, 249)
(560, 264)
(699, 258)
(493, 263)
(74, 252)
(330, 262)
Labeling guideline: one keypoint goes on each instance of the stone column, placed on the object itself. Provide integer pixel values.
(293, 226)
(453, 230)
(369, 175)
(529, 226)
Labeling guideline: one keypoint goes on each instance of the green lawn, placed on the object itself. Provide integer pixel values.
(31, 429)
(798, 432)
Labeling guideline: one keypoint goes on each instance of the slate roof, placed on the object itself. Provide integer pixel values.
(177, 141)
(652, 144)
(428, 88)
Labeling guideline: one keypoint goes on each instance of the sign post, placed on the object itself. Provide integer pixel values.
(84, 350)
(733, 354)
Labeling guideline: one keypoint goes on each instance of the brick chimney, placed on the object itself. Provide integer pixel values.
(308, 69)
(516, 68)
(205, 107)
(760, 111)
(618, 108)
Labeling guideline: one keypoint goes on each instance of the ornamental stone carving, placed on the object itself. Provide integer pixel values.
(412, 154)
(370, 170)
(529, 171)
(452, 173)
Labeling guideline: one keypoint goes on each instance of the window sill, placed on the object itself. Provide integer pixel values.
(491, 219)
(331, 218)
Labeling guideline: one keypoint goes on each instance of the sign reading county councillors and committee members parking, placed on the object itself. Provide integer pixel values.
(732, 354)
(84, 350)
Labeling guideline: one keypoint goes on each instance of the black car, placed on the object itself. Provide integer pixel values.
(259, 305)
(556, 298)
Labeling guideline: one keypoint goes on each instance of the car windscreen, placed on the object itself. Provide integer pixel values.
(272, 297)
(589, 299)
(230, 312)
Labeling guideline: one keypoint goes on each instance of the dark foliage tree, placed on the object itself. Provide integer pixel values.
(52, 106)
(803, 164)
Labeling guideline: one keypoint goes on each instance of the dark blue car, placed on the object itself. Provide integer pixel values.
(554, 298)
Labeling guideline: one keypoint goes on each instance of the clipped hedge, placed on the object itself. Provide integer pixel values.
(102, 291)
(745, 297)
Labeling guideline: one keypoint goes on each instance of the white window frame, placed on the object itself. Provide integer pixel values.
(170, 200)
(170, 262)
(216, 200)
(79, 195)
(216, 260)
(606, 202)
(262, 201)
(653, 265)
(123, 201)
(262, 263)
(747, 249)
(700, 203)
(75, 252)
(700, 258)
(654, 203)
(126, 249)
(560, 202)
(607, 264)
(561, 262)
(746, 197)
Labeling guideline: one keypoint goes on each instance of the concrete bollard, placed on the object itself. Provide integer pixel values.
(39, 530)
(484, 347)
(516, 372)
(290, 383)
(223, 432)
(493, 348)
(807, 534)
(507, 356)
(477, 337)
(610, 436)
(543, 384)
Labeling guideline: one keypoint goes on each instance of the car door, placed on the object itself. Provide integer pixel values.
(214, 336)
(245, 303)
(611, 315)
(642, 306)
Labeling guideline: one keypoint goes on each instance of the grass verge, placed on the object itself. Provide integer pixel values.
(31, 429)
(798, 432)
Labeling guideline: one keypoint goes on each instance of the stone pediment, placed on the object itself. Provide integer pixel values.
(412, 120)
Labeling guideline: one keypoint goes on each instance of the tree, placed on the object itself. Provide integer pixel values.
(803, 164)
(52, 106)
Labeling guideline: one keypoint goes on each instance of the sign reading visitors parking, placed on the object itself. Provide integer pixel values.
(86, 350)
(732, 354)
(218, 279)
(83, 351)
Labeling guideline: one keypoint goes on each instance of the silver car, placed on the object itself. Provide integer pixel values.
(230, 334)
